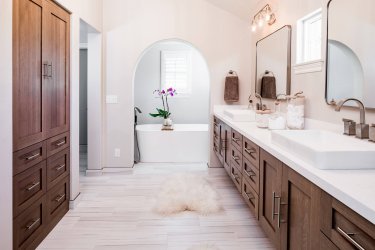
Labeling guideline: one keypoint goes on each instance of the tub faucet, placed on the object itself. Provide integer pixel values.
(362, 129)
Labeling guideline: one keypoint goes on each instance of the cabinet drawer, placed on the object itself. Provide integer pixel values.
(326, 244)
(28, 157)
(251, 197)
(251, 152)
(28, 187)
(345, 228)
(58, 143)
(58, 202)
(236, 158)
(58, 167)
(251, 174)
(236, 140)
(236, 176)
(28, 227)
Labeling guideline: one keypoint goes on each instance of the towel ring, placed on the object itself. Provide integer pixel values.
(267, 72)
(232, 73)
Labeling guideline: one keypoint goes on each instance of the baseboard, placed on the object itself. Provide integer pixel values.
(90, 172)
(73, 203)
(117, 170)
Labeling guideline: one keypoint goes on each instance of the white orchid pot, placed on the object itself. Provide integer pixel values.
(167, 122)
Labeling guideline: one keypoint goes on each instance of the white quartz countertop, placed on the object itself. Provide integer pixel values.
(354, 188)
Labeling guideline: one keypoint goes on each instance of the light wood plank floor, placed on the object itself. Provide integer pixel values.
(116, 213)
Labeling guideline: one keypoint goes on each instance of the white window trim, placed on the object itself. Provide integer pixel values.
(180, 94)
(300, 40)
(308, 67)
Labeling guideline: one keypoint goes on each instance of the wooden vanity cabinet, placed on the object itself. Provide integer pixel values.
(222, 143)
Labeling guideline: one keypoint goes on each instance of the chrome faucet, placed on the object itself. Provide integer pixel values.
(362, 129)
(261, 106)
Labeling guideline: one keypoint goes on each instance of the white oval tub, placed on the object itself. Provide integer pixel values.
(187, 143)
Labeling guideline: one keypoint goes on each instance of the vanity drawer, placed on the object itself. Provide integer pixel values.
(58, 143)
(251, 197)
(236, 176)
(251, 174)
(251, 152)
(345, 228)
(28, 157)
(236, 159)
(28, 227)
(58, 202)
(28, 187)
(326, 244)
(236, 139)
(58, 167)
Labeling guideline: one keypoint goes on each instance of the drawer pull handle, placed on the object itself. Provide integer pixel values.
(59, 144)
(250, 174)
(34, 185)
(250, 151)
(235, 139)
(60, 167)
(350, 239)
(33, 224)
(235, 158)
(236, 178)
(59, 198)
(249, 196)
(32, 157)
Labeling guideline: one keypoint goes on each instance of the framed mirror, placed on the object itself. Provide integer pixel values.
(350, 51)
(273, 64)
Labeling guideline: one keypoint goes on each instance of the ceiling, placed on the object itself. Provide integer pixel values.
(241, 8)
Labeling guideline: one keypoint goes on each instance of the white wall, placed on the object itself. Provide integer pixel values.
(132, 26)
(185, 109)
(313, 84)
(6, 125)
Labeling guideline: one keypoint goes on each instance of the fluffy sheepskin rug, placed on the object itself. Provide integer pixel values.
(187, 192)
(204, 247)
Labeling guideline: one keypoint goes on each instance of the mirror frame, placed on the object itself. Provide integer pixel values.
(288, 68)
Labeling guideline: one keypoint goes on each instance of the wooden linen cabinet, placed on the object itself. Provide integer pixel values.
(41, 118)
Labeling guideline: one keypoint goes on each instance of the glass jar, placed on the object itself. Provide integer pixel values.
(296, 112)
(262, 117)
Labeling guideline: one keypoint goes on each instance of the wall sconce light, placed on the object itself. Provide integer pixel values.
(265, 15)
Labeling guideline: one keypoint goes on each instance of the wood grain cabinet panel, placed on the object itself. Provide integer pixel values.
(58, 143)
(236, 159)
(58, 202)
(28, 157)
(251, 174)
(298, 212)
(251, 152)
(58, 167)
(56, 55)
(236, 140)
(270, 193)
(251, 197)
(27, 73)
(28, 187)
(236, 176)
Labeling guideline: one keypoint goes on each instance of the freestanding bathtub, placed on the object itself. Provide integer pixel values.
(187, 143)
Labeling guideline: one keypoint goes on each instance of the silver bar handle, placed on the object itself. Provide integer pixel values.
(235, 139)
(34, 185)
(59, 198)
(350, 239)
(250, 151)
(59, 144)
(32, 157)
(32, 224)
(60, 167)
(248, 197)
(50, 67)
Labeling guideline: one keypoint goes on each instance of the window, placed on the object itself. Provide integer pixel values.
(176, 71)
(309, 35)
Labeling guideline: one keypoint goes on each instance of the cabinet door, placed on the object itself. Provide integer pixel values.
(227, 137)
(299, 212)
(270, 193)
(27, 73)
(56, 58)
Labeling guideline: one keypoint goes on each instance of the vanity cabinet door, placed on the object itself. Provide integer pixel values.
(227, 137)
(270, 193)
(298, 212)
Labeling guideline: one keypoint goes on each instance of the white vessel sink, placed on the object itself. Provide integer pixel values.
(240, 115)
(327, 150)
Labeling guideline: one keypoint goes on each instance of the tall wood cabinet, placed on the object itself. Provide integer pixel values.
(41, 118)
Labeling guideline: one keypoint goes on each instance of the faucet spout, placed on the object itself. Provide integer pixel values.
(260, 100)
(362, 111)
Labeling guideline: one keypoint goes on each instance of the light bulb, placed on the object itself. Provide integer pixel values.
(267, 17)
(253, 26)
(260, 22)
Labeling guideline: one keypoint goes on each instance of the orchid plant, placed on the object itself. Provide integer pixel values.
(163, 94)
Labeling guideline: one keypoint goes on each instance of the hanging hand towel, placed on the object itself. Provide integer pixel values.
(268, 87)
(231, 93)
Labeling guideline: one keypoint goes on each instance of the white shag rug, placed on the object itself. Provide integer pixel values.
(187, 192)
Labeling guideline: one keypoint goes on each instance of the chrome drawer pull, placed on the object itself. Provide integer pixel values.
(59, 198)
(34, 185)
(250, 174)
(236, 178)
(32, 224)
(61, 167)
(59, 144)
(32, 157)
(235, 158)
(250, 151)
(350, 239)
(235, 139)
(248, 197)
